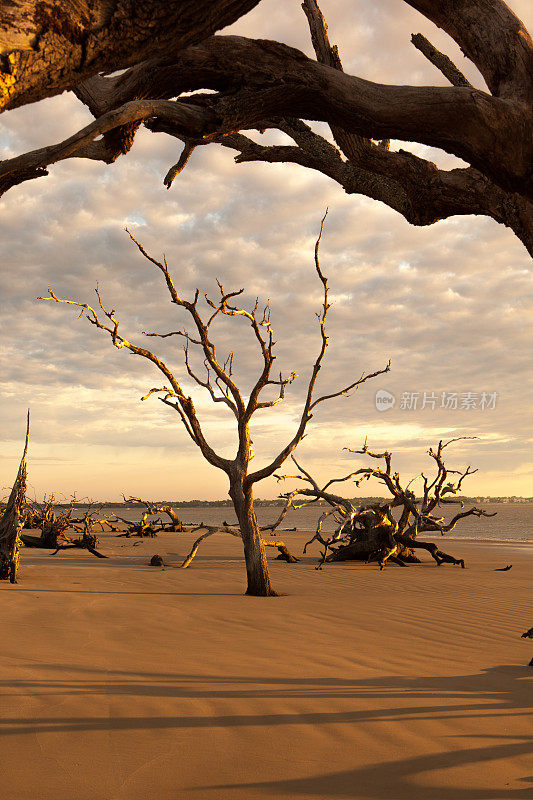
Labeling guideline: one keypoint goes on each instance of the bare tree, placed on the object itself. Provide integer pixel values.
(12, 520)
(372, 533)
(259, 85)
(219, 382)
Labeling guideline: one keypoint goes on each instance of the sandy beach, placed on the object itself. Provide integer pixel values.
(122, 681)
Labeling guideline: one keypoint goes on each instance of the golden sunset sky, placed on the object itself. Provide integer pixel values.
(449, 304)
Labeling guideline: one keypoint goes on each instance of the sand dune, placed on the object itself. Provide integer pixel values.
(121, 681)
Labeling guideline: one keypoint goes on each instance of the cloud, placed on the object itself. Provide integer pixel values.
(449, 304)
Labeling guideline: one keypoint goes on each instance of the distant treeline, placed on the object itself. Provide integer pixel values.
(276, 502)
(197, 503)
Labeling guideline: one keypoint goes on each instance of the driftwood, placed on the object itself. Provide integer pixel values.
(143, 528)
(12, 520)
(54, 524)
(150, 523)
(51, 522)
(372, 533)
(438, 555)
(210, 530)
(528, 635)
(85, 542)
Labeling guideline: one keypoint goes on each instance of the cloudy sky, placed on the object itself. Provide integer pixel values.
(450, 304)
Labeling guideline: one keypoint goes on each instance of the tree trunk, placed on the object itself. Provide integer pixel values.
(10, 528)
(12, 520)
(254, 552)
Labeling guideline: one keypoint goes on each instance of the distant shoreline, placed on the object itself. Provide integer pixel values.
(276, 502)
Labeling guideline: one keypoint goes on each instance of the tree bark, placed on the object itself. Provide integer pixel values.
(44, 49)
(12, 521)
(491, 36)
(254, 552)
(48, 47)
(266, 79)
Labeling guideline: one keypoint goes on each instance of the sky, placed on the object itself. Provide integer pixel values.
(449, 304)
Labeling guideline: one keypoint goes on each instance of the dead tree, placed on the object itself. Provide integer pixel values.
(150, 523)
(12, 520)
(54, 525)
(219, 382)
(258, 85)
(90, 521)
(51, 521)
(373, 533)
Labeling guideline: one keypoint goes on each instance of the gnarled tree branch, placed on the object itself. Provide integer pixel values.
(262, 84)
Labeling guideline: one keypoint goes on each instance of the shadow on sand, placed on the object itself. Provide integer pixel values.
(497, 691)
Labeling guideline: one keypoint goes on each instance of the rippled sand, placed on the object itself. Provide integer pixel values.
(125, 681)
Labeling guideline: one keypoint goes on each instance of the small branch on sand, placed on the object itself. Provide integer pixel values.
(210, 530)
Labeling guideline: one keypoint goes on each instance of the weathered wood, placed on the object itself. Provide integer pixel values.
(210, 530)
(438, 555)
(150, 524)
(166, 50)
(284, 552)
(440, 60)
(491, 134)
(372, 533)
(54, 526)
(48, 47)
(12, 520)
(85, 542)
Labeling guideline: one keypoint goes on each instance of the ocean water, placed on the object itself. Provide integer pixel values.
(513, 521)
